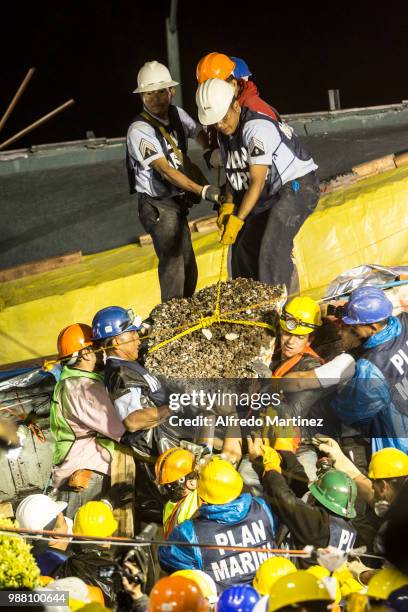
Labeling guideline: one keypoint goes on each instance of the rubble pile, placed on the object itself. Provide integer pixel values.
(222, 350)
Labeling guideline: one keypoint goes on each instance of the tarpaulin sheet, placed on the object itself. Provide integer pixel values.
(34, 309)
(364, 223)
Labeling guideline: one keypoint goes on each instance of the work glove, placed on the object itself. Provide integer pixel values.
(271, 459)
(260, 369)
(226, 210)
(232, 229)
(211, 193)
(287, 444)
(332, 449)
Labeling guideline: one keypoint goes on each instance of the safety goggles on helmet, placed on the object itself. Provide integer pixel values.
(131, 320)
(292, 323)
(176, 490)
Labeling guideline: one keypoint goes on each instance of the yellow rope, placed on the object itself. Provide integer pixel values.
(205, 322)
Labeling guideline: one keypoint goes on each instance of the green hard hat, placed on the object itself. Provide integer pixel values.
(336, 491)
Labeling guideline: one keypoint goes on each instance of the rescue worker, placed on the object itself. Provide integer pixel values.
(176, 474)
(324, 519)
(387, 473)
(374, 398)
(40, 512)
(139, 399)
(83, 422)
(235, 71)
(271, 181)
(299, 320)
(301, 591)
(226, 517)
(95, 518)
(158, 170)
(177, 594)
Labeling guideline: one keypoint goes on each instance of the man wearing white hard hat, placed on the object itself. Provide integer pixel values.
(39, 512)
(272, 186)
(166, 181)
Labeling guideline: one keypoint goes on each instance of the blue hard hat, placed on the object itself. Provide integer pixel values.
(239, 598)
(241, 70)
(113, 321)
(367, 304)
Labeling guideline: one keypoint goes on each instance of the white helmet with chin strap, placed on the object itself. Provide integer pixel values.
(153, 76)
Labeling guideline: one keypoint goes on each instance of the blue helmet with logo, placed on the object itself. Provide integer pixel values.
(241, 70)
(367, 304)
(113, 321)
(239, 598)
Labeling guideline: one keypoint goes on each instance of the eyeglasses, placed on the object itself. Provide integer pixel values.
(292, 323)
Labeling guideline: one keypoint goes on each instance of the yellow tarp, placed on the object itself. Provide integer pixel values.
(365, 223)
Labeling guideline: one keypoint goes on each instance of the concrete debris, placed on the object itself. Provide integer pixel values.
(231, 348)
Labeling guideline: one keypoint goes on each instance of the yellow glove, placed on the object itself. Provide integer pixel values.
(287, 444)
(226, 210)
(271, 459)
(231, 230)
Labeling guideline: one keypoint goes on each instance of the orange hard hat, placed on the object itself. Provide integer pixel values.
(177, 594)
(214, 66)
(73, 339)
(173, 464)
(95, 594)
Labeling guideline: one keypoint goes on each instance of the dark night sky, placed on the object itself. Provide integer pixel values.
(92, 51)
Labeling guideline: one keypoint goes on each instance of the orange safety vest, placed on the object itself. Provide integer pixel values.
(289, 364)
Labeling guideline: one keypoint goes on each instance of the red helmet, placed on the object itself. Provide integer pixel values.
(173, 464)
(74, 338)
(214, 66)
(177, 594)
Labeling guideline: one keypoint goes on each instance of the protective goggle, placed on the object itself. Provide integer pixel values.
(292, 323)
(130, 320)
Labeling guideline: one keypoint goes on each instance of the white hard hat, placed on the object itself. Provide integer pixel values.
(36, 511)
(153, 76)
(76, 588)
(213, 99)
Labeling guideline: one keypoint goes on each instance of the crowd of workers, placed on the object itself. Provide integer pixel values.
(271, 519)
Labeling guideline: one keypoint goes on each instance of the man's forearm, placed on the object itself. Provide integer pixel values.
(365, 489)
(146, 418)
(177, 178)
(250, 199)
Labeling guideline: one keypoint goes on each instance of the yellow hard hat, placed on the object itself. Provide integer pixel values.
(388, 463)
(203, 580)
(296, 588)
(95, 518)
(219, 482)
(386, 581)
(270, 571)
(320, 572)
(301, 316)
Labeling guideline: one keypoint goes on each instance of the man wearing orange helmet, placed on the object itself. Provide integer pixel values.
(84, 424)
(220, 66)
(176, 475)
